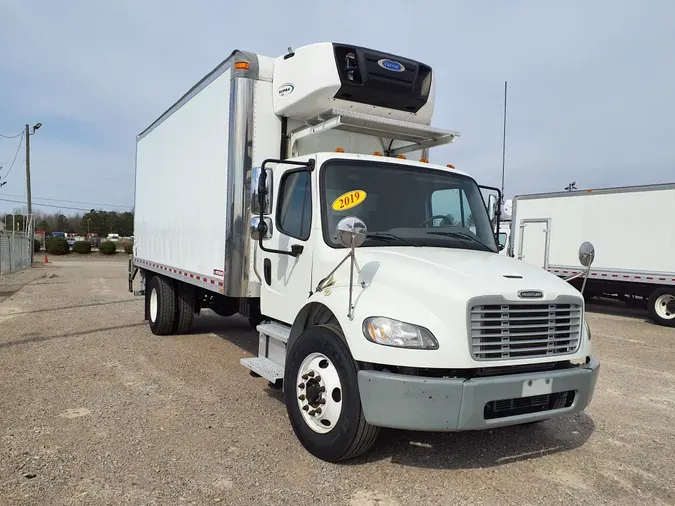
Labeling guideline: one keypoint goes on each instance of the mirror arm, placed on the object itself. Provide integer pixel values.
(296, 249)
(588, 271)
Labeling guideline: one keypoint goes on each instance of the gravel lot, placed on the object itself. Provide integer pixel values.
(95, 409)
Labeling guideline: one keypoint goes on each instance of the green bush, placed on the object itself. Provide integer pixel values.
(107, 248)
(83, 247)
(129, 248)
(57, 246)
(36, 245)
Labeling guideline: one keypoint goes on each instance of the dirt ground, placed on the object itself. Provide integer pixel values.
(95, 409)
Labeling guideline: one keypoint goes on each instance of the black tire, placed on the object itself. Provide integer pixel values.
(652, 303)
(352, 435)
(185, 308)
(166, 305)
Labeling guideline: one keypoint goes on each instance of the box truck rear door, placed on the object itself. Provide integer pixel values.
(533, 243)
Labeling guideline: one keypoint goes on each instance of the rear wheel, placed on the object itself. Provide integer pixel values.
(161, 305)
(661, 306)
(322, 397)
(185, 308)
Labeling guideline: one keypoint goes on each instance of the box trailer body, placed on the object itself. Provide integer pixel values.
(297, 191)
(634, 249)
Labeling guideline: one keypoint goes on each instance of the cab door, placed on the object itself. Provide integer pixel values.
(286, 278)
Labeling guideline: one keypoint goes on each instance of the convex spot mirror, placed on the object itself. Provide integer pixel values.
(255, 228)
(351, 232)
(586, 254)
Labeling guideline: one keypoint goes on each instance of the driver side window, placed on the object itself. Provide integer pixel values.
(452, 203)
(445, 203)
(294, 213)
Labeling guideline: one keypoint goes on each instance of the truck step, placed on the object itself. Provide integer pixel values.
(275, 330)
(264, 367)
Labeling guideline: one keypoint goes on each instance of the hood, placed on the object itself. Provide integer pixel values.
(462, 273)
(432, 287)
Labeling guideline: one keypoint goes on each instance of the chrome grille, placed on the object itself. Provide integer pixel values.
(508, 330)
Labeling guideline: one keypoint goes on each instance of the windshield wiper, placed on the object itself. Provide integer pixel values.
(391, 237)
(462, 234)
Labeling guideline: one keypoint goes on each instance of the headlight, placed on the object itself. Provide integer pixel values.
(588, 329)
(388, 332)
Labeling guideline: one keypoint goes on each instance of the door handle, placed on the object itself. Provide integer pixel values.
(267, 271)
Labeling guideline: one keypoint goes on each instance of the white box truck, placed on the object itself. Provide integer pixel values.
(297, 192)
(636, 250)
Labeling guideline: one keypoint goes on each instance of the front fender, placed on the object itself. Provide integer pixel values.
(383, 300)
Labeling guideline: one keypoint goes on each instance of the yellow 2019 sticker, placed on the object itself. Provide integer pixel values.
(348, 200)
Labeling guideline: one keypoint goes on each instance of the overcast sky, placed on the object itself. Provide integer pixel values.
(591, 83)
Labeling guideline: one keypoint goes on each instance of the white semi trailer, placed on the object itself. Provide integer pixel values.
(636, 259)
(296, 191)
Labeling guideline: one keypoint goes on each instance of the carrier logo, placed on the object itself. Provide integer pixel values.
(285, 89)
(530, 294)
(392, 65)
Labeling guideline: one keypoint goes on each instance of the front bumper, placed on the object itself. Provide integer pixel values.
(450, 404)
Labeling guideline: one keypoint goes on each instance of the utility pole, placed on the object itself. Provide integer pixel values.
(28, 196)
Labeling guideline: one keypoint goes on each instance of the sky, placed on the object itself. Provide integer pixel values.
(591, 84)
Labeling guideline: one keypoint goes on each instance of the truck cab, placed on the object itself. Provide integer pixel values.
(373, 277)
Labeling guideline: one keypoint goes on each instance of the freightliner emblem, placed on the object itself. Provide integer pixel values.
(530, 294)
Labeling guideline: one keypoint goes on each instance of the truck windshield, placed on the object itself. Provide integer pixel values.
(405, 205)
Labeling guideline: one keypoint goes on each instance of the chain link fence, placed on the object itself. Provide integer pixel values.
(14, 252)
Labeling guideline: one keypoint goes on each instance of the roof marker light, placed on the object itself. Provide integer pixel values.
(339, 150)
(241, 65)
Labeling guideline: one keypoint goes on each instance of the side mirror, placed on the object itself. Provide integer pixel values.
(586, 254)
(261, 190)
(492, 200)
(351, 232)
(258, 231)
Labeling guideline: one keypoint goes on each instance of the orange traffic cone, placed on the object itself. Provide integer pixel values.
(46, 259)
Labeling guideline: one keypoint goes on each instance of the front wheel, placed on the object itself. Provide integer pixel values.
(322, 397)
(661, 306)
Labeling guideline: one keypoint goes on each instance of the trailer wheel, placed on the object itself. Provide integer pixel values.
(185, 308)
(661, 306)
(162, 305)
(322, 397)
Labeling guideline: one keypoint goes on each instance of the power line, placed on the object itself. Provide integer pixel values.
(11, 136)
(9, 171)
(70, 201)
(47, 205)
